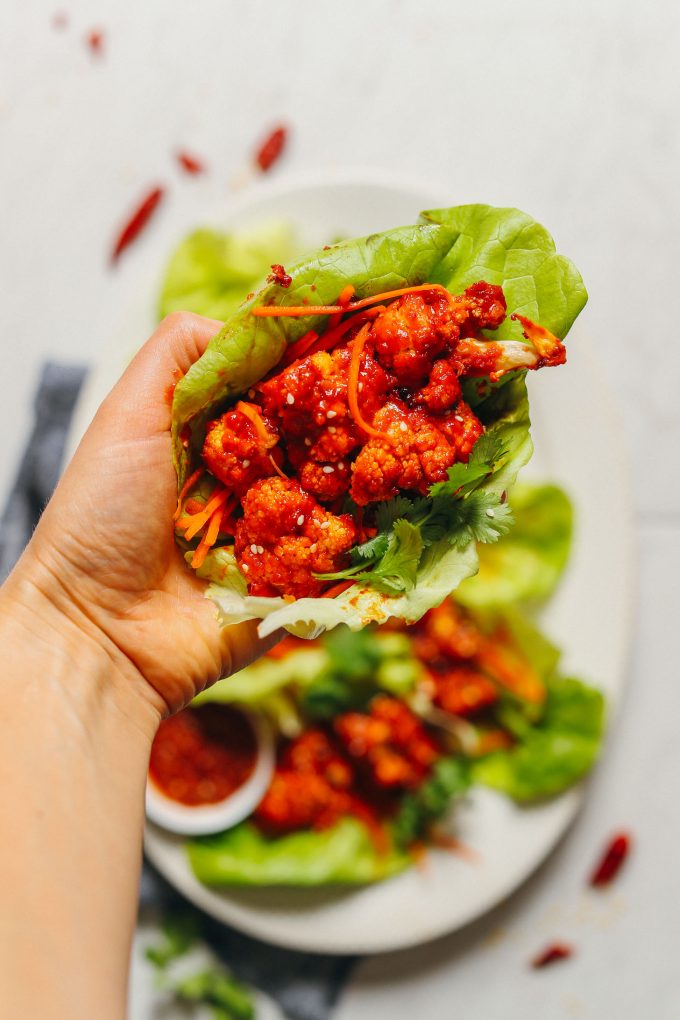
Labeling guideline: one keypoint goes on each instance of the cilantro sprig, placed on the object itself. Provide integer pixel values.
(458, 509)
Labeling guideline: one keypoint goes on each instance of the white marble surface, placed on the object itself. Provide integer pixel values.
(569, 111)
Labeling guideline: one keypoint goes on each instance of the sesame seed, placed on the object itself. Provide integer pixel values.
(360, 387)
(328, 469)
(300, 520)
(253, 548)
(308, 442)
(340, 465)
(324, 525)
(290, 399)
(490, 513)
(260, 549)
(332, 429)
(331, 414)
(245, 568)
(313, 547)
(458, 417)
(403, 426)
(246, 463)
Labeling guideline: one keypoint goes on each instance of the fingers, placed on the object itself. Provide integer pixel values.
(139, 405)
(241, 644)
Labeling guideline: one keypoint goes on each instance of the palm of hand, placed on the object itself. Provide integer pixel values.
(108, 537)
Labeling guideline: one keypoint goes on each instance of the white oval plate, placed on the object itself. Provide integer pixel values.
(578, 445)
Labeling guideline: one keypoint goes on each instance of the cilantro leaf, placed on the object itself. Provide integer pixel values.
(403, 554)
(391, 511)
(481, 516)
(453, 509)
(373, 549)
(488, 449)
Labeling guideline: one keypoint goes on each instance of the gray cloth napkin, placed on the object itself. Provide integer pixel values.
(305, 985)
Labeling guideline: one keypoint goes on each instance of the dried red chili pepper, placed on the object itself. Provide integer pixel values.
(137, 222)
(612, 860)
(272, 147)
(280, 276)
(190, 163)
(553, 953)
(95, 40)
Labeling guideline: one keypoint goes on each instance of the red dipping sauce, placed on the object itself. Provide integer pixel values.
(203, 754)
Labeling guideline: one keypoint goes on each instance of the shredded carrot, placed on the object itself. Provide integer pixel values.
(344, 298)
(337, 589)
(353, 386)
(299, 348)
(198, 520)
(208, 540)
(190, 482)
(276, 467)
(252, 413)
(295, 311)
(332, 337)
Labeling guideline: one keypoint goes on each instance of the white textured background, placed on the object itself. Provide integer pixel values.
(567, 110)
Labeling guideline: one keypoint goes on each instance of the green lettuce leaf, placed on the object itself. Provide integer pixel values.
(553, 754)
(528, 563)
(454, 247)
(342, 671)
(210, 273)
(341, 855)
(508, 247)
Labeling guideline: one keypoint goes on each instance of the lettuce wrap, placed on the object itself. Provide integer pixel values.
(554, 742)
(425, 547)
(553, 746)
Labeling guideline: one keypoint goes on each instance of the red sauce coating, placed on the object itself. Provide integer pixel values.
(203, 754)
(279, 275)
(359, 766)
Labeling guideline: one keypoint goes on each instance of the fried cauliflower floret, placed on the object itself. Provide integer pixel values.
(411, 332)
(299, 801)
(462, 429)
(391, 742)
(285, 537)
(274, 507)
(463, 690)
(326, 481)
(234, 453)
(446, 633)
(313, 752)
(334, 443)
(419, 451)
(443, 389)
(311, 393)
(486, 304)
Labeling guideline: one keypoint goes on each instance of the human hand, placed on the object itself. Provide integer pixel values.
(104, 552)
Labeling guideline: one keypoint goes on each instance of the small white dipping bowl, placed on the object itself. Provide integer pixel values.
(190, 820)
